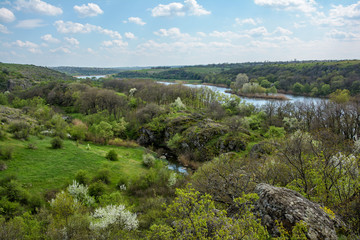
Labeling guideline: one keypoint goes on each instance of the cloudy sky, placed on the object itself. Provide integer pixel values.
(119, 33)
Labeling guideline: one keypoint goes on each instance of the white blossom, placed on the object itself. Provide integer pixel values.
(80, 193)
(172, 179)
(113, 214)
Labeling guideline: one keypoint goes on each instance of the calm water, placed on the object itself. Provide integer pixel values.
(93, 76)
(255, 101)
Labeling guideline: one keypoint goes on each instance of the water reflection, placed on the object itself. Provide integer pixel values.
(255, 101)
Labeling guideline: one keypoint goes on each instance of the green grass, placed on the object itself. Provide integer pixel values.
(45, 168)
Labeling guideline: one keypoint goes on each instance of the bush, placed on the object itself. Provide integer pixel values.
(57, 143)
(82, 177)
(97, 189)
(20, 129)
(6, 152)
(148, 160)
(3, 166)
(112, 155)
(123, 143)
(103, 175)
(31, 146)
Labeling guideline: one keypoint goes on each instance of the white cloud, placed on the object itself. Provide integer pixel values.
(257, 32)
(201, 34)
(340, 15)
(72, 41)
(71, 27)
(189, 7)
(38, 6)
(282, 31)
(229, 35)
(306, 6)
(90, 50)
(3, 29)
(30, 23)
(61, 49)
(136, 20)
(174, 33)
(249, 21)
(50, 39)
(340, 35)
(130, 35)
(351, 12)
(6, 15)
(30, 46)
(114, 43)
(89, 10)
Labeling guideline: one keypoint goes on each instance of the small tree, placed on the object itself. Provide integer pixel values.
(112, 155)
(148, 160)
(57, 143)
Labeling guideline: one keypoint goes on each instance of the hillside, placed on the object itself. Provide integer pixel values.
(86, 71)
(316, 78)
(20, 76)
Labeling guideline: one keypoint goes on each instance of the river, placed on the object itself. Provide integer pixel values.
(92, 76)
(258, 102)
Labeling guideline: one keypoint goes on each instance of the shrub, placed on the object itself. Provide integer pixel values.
(123, 183)
(20, 129)
(3, 166)
(57, 143)
(7, 152)
(103, 175)
(112, 214)
(148, 160)
(82, 177)
(31, 146)
(112, 155)
(97, 189)
(122, 143)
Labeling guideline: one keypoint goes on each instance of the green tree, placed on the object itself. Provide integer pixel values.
(340, 96)
(240, 80)
(297, 88)
(194, 216)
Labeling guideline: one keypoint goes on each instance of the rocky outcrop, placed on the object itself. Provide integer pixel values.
(289, 207)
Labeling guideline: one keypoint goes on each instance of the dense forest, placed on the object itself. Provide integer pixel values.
(87, 71)
(315, 78)
(87, 159)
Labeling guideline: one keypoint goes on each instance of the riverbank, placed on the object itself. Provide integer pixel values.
(279, 97)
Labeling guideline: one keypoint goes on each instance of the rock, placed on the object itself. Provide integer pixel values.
(289, 207)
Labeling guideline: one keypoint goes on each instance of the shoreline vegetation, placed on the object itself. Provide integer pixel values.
(280, 97)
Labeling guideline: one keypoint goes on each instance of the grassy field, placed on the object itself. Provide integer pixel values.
(44, 168)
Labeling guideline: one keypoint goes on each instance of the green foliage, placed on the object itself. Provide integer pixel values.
(275, 132)
(340, 96)
(102, 175)
(82, 177)
(97, 189)
(78, 130)
(3, 99)
(7, 152)
(194, 216)
(57, 143)
(112, 155)
(20, 129)
(103, 131)
(297, 88)
(148, 160)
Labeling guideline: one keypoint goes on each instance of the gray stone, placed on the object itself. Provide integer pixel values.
(289, 207)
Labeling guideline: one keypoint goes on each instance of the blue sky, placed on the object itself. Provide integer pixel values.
(121, 33)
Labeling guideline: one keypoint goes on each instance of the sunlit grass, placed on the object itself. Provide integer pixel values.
(44, 168)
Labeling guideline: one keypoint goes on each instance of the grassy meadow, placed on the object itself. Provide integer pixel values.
(45, 168)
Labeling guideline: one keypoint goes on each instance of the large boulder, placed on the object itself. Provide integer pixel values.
(289, 207)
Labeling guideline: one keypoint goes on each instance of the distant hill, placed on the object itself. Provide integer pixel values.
(88, 71)
(20, 76)
(316, 78)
